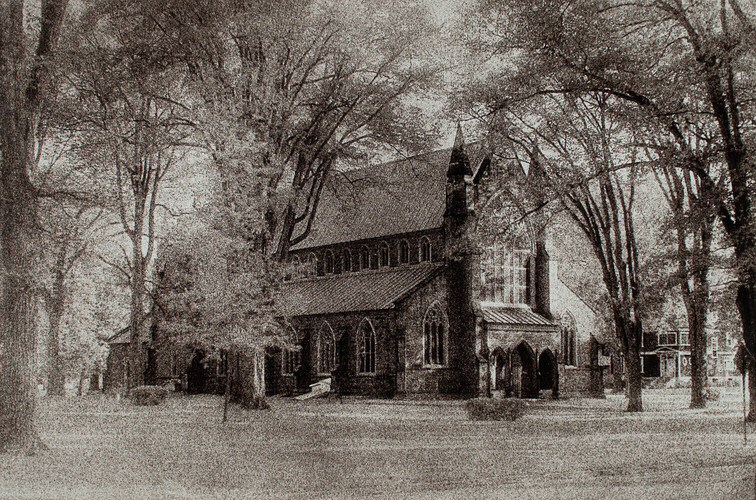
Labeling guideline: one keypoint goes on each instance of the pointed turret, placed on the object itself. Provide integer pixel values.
(459, 164)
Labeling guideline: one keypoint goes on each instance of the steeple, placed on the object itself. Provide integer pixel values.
(459, 164)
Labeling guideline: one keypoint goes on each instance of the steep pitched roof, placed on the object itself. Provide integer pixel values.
(402, 196)
(349, 292)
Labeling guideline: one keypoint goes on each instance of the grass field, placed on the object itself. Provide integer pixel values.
(572, 448)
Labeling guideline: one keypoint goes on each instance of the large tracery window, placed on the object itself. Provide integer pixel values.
(366, 346)
(435, 330)
(326, 349)
(504, 273)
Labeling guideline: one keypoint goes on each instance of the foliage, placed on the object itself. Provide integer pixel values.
(215, 293)
(148, 395)
(495, 409)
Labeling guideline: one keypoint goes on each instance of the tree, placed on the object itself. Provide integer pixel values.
(217, 296)
(693, 218)
(122, 86)
(584, 160)
(69, 230)
(664, 58)
(26, 90)
(288, 91)
(283, 93)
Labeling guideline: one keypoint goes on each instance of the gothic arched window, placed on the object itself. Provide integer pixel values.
(435, 336)
(425, 249)
(569, 341)
(366, 347)
(312, 265)
(329, 262)
(364, 257)
(384, 255)
(404, 252)
(346, 261)
(326, 349)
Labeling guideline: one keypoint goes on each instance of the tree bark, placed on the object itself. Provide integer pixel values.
(138, 278)
(20, 104)
(56, 378)
(634, 381)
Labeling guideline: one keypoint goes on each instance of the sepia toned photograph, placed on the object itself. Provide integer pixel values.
(346, 249)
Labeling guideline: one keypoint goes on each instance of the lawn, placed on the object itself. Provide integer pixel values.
(572, 448)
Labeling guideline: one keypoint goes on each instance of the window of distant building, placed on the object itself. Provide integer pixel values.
(435, 335)
(329, 262)
(384, 255)
(326, 349)
(504, 272)
(346, 260)
(425, 249)
(569, 341)
(404, 252)
(312, 265)
(714, 346)
(366, 347)
(364, 257)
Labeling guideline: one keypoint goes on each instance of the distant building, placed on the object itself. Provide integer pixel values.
(666, 354)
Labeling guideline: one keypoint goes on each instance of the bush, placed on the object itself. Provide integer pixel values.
(711, 395)
(494, 409)
(148, 395)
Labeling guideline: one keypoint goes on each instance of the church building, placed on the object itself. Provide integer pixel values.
(398, 291)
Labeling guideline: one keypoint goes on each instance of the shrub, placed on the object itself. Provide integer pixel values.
(494, 409)
(148, 395)
(711, 395)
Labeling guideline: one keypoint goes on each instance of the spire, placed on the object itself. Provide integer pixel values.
(459, 164)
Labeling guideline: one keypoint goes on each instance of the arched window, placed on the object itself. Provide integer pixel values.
(290, 361)
(504, 272)
(435, 330)
(326, 350)
(366, 347)
(312, 265)
(384, 255)
(346, 261)
(329, 261)
(404, 252)
(425, 249)
(569, 341)
(364, 258)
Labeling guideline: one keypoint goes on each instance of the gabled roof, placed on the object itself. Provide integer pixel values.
(399, 197)
(513, 316)
(351, 292)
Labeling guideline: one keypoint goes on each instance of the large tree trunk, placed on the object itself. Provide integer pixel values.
(19, 298)
(632, 365)
(747, 308)
(136, 320)
(22, 82)
(697, 362)
(55, 377)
